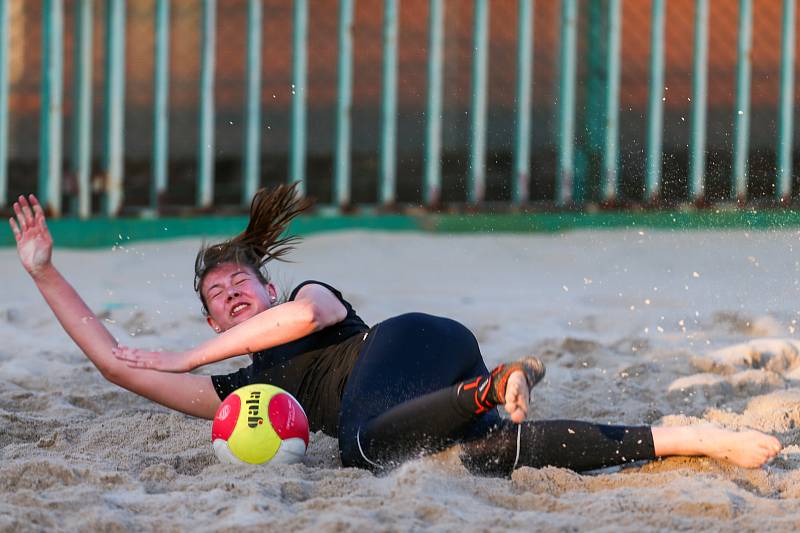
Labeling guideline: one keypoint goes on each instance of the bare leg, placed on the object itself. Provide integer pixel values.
(749, 449)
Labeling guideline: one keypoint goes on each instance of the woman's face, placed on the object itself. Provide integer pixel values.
(234, 293)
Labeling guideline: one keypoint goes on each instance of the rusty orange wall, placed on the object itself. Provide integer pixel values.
(413, 46)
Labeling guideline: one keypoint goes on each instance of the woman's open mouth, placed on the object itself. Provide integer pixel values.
(238, 308)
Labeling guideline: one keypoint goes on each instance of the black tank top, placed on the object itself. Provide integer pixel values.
(314, 369)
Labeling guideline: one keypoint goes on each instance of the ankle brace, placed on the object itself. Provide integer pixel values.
(484, 393)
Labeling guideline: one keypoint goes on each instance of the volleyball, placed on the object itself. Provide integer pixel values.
(260, 424)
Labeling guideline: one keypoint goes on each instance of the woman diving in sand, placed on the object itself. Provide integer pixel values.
(409, 385)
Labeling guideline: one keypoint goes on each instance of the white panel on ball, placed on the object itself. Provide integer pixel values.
(291, 451)
(224, 454)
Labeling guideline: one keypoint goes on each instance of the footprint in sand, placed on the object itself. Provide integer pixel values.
(748, 368)
(737, 323)
(760, 362)
(776, 355)
(762, 372)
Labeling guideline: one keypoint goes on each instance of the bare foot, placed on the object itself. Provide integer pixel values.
(510, 384)
(749, 449)
(525, 374)
(517, 396)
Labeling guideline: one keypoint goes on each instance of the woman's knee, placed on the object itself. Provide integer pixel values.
(419, 322)
(444, 345)
(429, 329)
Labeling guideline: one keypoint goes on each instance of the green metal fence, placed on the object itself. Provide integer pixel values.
(586, 103)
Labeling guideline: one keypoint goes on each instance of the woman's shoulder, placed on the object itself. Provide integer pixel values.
(352, 317)
(307, 282)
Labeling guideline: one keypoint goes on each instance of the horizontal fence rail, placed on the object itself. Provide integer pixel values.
(584, 126)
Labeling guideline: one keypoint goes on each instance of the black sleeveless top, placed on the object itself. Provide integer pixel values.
(314, 369)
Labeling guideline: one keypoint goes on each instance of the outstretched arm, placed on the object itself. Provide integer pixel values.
(187, 393)
(314, 308)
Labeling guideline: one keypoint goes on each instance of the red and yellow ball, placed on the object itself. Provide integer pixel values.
(259, 424)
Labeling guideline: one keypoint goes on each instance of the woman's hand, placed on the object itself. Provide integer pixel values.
(34, 243)
(163, 361)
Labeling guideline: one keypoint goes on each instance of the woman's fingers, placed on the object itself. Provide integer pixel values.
(130, 357)
(29, 215)
(124, 353)
(20, 216)
(38, 212)
(15, 229)
(136, 358)
(26, 211)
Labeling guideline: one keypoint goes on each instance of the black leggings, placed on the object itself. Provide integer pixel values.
(400, 403)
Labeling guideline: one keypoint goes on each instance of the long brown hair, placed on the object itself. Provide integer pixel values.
(263, 240)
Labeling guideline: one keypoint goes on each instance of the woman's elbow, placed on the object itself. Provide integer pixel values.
(115, 374)
(319, 317)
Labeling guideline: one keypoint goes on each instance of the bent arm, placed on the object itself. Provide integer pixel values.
(188, 393)
(314, 308)
(80, 323)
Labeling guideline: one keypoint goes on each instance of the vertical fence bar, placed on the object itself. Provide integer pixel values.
(783, 190)
(697, 162)
(252, 144)
(161, 107)
(343, 103)
(51, 103)
(205, 186)
(433, 141)
(480, 69)
(522, 158)
(82, 124)
(742, 133)
(566, 103)
(655, 113)
(4, 83)
(297, 160)
(114, 105)
(610, 176)
(590, 136)
(389, 104)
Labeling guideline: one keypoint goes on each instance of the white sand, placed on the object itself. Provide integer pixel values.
(627, 322)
